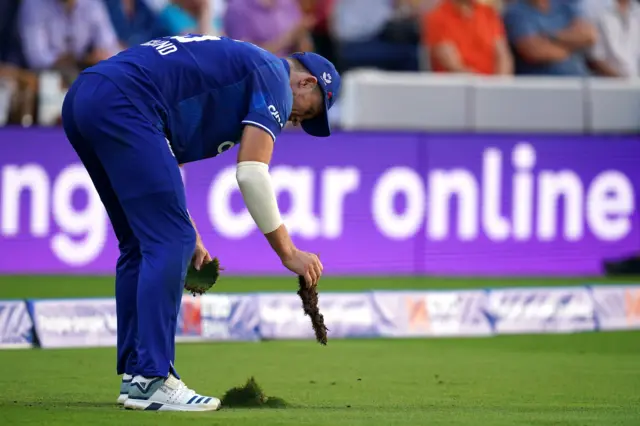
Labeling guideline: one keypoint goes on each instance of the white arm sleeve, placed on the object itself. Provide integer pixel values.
(255, 184)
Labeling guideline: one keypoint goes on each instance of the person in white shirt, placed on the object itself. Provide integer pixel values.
(592, 9)
(617, 51)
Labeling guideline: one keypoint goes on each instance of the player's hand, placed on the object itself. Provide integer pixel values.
(306, 264)
(201, 255)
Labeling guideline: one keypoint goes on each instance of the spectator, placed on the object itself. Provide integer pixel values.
(591, 9)
(66, 34)
(320, 10)
(17, 85)
(275, 25)
(134, 22)
(189, 16)
(466, 36)
(219, 9)
(549, 37)
(498, 4)
(18, 89)
(376, 33)
(10, 43)
(428, 5)
(617, 51)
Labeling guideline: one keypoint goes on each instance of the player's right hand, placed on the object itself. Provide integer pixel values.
(306, 264)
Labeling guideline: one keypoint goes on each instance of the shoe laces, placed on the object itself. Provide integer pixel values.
(182, 387)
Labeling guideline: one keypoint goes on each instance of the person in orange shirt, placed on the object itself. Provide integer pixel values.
(465, 36)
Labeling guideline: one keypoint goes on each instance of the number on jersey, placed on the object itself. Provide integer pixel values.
(192, 38)
(165, 46)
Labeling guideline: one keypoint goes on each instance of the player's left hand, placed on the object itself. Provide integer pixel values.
(201, 255)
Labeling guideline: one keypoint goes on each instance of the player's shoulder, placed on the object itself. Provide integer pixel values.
(270, 90)
(269, 69)
(258, 59)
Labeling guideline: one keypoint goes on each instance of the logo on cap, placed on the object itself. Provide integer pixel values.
(326, 77)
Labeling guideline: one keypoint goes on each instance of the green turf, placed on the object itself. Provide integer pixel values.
(590, 379)
(16, 287)
(578, 380)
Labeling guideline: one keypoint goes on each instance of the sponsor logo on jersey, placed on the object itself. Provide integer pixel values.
(276, 115)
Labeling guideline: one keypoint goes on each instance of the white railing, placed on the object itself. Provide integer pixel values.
(374, 100)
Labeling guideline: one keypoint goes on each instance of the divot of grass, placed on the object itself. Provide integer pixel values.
(251, 395)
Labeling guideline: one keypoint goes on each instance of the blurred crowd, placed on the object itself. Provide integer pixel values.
(44, 44)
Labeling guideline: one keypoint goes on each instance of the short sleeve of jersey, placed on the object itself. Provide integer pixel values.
(271, 98)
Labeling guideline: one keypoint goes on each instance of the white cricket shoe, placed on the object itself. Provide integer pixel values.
(124, 388)
(166, 394)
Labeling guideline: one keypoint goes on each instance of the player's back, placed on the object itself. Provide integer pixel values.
(201, 88)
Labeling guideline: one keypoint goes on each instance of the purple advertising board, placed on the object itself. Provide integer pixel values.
(369, 203)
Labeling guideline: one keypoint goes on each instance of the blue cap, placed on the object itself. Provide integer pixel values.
(329, 83)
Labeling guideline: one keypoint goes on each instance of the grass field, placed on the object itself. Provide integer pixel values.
(579, 380)
(21, 287)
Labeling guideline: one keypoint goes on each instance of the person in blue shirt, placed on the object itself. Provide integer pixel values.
(133, 120)
(549, 37)
(134, 22)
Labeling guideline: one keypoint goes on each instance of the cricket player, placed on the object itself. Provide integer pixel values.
(133, 120)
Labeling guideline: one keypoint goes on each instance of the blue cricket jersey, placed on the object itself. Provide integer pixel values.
(201, 91)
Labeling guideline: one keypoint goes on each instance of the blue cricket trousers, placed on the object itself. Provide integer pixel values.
(139, 182)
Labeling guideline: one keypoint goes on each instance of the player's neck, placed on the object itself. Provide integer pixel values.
(290, 64)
